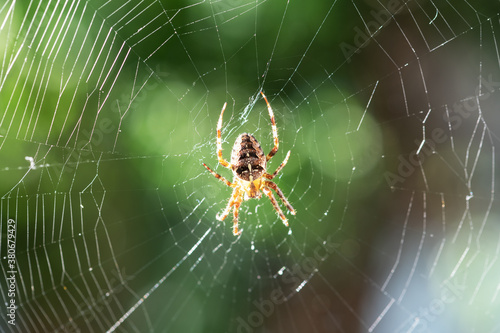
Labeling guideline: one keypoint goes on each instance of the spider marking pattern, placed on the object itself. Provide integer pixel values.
(248, 164)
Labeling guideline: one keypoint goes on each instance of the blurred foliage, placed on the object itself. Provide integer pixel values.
(131, 130)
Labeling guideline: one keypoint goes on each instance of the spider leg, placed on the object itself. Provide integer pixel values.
(275, 205)
(219, 177)
(234, 197)
(237, 204)
(275, 130)
(281, 195)
(222, 161)
(268, 176)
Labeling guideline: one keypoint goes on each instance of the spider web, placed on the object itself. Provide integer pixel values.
(389, 108)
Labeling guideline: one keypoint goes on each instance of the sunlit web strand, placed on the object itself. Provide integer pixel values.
(146, 295)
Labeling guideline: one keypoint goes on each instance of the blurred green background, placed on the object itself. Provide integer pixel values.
(116, 105)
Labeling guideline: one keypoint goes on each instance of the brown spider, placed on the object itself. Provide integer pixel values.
(248, 164)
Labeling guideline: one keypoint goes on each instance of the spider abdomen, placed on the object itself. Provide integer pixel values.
(247, 158)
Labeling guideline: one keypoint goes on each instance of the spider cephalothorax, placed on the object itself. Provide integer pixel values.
(248, 164)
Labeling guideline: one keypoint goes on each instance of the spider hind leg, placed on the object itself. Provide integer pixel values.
(219, 177)
(274, 128)
(222, 161)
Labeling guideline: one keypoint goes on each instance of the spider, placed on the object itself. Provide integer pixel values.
(248, 164)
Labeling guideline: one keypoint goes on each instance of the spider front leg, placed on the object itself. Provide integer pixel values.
(281, 195)
(235, 201)
(237, 204)
(229, 205)
(275, 205)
